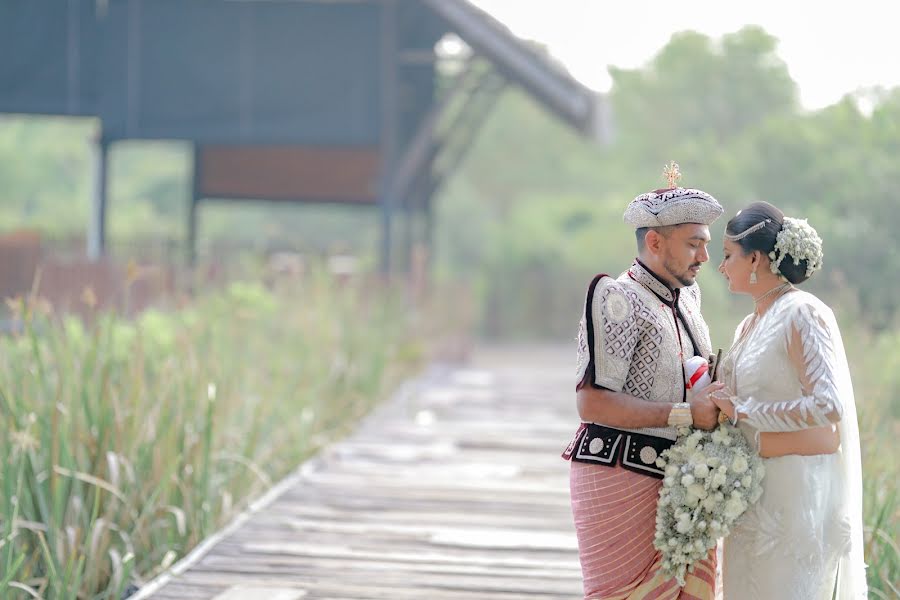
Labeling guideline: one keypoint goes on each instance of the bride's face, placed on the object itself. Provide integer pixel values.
(736, 267)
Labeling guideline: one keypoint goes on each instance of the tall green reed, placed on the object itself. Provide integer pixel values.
(876, 378)
(124, 443)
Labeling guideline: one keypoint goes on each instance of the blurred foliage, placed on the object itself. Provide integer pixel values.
(710, 92)
(533, 197)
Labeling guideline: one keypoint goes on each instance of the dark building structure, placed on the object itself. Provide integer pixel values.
(330, 101)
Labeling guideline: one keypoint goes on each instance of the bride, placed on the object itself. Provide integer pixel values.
(788, 388)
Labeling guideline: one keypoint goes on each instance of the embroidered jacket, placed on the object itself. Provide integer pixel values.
(635, 335)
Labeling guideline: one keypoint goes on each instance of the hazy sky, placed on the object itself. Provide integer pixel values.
(831, 48)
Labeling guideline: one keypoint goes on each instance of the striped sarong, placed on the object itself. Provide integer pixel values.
(615, 520)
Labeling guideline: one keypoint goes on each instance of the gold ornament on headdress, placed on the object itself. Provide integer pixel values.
(672, 173)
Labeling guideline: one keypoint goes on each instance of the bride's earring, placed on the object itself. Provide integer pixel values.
(753, 280)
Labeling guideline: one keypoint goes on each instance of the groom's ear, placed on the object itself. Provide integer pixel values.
(652, 241)
(656, 237)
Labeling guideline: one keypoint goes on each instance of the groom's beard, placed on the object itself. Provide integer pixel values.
(686, 277)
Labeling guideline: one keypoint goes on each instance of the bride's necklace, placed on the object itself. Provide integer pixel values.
(738, 346)
(774, 290)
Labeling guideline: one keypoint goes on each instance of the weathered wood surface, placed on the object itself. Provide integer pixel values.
(453, 489)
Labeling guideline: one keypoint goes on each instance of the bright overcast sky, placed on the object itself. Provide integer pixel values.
(831, 48)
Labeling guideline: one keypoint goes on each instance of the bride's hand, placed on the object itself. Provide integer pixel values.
(723, 398)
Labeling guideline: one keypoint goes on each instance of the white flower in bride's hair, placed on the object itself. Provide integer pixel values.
(711, 479)
(801, 241)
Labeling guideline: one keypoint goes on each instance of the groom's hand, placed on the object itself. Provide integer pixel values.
(704, 411)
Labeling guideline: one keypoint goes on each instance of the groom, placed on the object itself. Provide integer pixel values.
(636, 332)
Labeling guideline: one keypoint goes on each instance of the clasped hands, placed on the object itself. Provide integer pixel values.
(711, 405)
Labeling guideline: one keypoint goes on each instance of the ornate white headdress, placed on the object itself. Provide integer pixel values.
(673, 205)
(799, 239)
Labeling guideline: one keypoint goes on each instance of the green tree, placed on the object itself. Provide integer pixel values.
(699, 89)
(836, 167)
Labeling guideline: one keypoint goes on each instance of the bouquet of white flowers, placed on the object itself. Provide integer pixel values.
(711, 478)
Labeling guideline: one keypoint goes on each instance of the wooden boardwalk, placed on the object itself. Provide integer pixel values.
(453, 489)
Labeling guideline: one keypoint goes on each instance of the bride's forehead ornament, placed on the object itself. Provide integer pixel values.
(672, 205)
(750, 230)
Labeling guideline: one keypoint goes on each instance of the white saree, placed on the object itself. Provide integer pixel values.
(803, 540)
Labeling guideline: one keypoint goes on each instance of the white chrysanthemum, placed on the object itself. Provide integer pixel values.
(734, 508)
(718, 436)
(698, 457)
(698, 489)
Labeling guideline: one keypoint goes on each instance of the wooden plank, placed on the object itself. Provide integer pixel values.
(247, 592)
(437, 495)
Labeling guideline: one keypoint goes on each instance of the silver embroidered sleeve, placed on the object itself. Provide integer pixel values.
(615, 335)
(822, 406)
